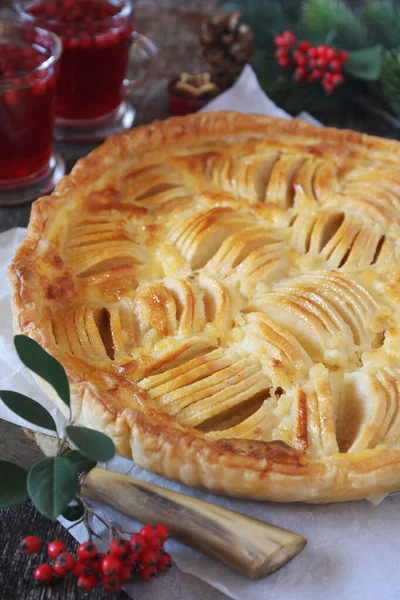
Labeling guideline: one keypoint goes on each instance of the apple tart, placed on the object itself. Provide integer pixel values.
(223, 291)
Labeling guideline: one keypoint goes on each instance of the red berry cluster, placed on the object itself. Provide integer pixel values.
(143, 555)
(313, 63)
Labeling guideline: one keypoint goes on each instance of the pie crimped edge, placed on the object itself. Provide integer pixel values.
(238, 467)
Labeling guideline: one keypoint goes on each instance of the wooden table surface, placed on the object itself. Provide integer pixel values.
(176, 37)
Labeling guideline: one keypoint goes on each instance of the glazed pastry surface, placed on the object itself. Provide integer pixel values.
(223, 291)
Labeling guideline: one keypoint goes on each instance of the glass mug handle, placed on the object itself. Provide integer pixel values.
(143, 63)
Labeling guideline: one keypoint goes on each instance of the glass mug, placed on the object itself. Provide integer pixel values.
(28, 71)
(100, 51)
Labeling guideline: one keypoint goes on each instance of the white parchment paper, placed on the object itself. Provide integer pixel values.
(353, 548)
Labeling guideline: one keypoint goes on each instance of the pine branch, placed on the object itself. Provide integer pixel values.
(390, 79)
(382, 21)
(333, 21)
(267, 19)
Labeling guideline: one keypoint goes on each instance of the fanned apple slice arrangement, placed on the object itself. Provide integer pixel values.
(222, 291)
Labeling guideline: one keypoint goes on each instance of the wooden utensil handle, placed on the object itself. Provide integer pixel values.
(250, 546)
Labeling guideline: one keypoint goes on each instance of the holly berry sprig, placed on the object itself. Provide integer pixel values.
(321, 63)
(142, 556)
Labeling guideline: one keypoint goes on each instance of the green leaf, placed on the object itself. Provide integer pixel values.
(28, 409)
(52, 484)
(80, 462)
(42, 363)
(365, 63)
(74, 512)
(321, 17)
(390, 79)
(91, 443)
(13, 484)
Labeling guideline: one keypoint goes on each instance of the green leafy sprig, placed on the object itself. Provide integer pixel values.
(370, 35)
(51, 483)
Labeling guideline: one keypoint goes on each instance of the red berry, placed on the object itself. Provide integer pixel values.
(148, 573)
(65, 560)
(148, 557)
(95, 564)
(87, 551)
(164, 563)
(330, 54)
(43, 573)
(328, 77)
(127, 572)
(342, 56)
(322, 49)
(282, 53)
(137, 542)
(318, 73)
(60, 570)
(134, 557)
(81, 568)
(108, 579)
(280, 41)
(148, 532)
(335, 65)
(289, 37)
(313, 52)
(300, 74)
(126, 558)
(155, 543)
(31, 544)
(337, 79)
(322, 62)
(284, 62)
(87, 582)
(55, 548)
(111, 565)
(313, 63)
(112, 587)
(328, 87)
(299, 58)
(162, 531)
(119, 547)
(304, 46)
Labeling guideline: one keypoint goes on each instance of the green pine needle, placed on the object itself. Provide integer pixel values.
(334, 22)
(382, 21)
(267, 19)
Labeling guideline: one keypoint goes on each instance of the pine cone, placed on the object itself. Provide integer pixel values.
(226, 45)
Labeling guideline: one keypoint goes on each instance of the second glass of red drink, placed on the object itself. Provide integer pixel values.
(98, 41)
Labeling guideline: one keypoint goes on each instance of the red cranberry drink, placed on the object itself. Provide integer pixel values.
(28, 59)
(96, 39)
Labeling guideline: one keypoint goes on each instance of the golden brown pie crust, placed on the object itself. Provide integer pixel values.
(223, 292)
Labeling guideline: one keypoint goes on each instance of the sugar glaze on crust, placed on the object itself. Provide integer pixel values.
(223, 292)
